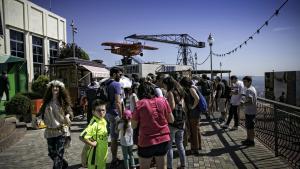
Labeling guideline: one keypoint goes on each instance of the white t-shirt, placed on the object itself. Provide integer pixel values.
(132, 100)
(250, 93)
(127, 139)
(236, 98)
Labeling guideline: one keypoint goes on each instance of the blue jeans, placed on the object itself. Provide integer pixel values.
(128, 156)
(177, 135)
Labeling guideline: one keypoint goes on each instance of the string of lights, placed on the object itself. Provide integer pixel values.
(203, 61)
(266, 23)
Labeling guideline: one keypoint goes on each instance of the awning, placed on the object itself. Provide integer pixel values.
(9, 59)
(97, 71)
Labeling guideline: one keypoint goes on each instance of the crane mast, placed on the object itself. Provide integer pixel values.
(184, 41)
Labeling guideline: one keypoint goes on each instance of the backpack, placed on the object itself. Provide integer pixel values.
(179, 117)
(202, 105)
(206, 88)
(102, 92)
(227, 92)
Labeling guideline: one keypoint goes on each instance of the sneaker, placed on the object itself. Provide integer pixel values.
(115, 163)
(234, 128)
(221, 120)
(224, 126)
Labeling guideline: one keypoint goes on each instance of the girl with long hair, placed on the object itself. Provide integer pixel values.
(175, 95)
(193, 115)
(56, 112)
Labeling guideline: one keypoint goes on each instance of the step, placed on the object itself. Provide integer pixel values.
(6, 129)
(12, 139)
(2, 121)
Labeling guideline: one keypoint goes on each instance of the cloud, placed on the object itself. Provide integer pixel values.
(279, 29)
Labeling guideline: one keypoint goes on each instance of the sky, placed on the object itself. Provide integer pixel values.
(230, 22)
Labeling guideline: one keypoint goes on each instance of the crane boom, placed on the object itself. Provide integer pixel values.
(177, 39)
(184, 41)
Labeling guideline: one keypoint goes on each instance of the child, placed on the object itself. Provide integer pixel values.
(95, 136)
(126, 139)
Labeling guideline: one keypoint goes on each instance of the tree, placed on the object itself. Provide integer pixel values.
(67, 51)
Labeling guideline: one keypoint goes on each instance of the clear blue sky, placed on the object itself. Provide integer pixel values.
(230, 22)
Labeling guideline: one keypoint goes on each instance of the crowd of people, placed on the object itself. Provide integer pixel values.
(154, 113)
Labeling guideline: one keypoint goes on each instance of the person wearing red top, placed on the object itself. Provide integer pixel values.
(152, 114)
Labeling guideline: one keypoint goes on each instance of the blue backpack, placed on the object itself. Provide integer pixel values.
(202, 105)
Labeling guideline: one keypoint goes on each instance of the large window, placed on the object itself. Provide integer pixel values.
(17, 43)
(53, 51)
(37, 50)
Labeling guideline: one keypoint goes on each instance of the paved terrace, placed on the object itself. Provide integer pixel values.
(221, 149)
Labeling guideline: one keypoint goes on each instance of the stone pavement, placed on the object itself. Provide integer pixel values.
(221, 149)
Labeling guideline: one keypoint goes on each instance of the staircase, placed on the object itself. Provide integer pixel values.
(10, 132)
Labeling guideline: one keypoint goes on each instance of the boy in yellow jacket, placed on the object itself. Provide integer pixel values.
(96, 137)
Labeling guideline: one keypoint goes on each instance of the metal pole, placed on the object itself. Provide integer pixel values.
(211, 70)
(276, 129)
(221, 69)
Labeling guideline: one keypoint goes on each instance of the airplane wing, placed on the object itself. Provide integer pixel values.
(115, 44)
(149, 47)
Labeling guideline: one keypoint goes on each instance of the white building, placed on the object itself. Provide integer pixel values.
(143, 69)
(30, 32)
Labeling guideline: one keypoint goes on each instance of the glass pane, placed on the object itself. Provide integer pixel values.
(20, 47)
(20, 54)
(13, 53)
(40, 50)
(34, 58)
(41, 59)
(13, 35)
(13, 45)
(53, 45)
(20, 36)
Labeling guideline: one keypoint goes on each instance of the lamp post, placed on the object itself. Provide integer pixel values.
(221, 69)
(74, 30)
(210, 41)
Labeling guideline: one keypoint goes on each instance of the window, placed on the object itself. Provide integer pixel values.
(17, 43)
(37, 50)
(53, 51)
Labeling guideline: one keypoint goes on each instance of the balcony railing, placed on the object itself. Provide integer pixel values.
(278, 127)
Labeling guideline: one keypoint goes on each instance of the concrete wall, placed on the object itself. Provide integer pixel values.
(32, 20)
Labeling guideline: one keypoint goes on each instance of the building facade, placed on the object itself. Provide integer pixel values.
(32, 33)
(143, 69)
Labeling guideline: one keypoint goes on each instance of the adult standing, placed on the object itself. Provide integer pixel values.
(4, 86)
(220, 98)
(114, 110)
(56, 112)
(206, 91)
(249, 101)
(235, 100)
(91, 94)
(152, 114)
(193, 115)
(175, 95)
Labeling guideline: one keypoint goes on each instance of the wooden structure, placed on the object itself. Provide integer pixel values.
(77, 74)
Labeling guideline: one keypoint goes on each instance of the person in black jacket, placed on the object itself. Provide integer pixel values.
(4, 86)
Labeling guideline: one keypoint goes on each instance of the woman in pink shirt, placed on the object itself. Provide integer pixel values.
(152, 114)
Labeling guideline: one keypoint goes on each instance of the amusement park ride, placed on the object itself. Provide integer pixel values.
(127, 50)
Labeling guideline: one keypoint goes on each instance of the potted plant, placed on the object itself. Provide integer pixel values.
(20, 106)
(39, 87)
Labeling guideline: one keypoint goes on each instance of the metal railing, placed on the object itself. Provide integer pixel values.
(278, 127)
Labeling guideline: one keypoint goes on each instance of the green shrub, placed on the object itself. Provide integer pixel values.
(39, 86)
(20, 106)
(32, 95)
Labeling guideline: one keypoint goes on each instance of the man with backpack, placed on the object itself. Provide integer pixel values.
(206, 92)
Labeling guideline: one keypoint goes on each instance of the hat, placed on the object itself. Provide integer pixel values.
(127, 114)
(56, 83)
